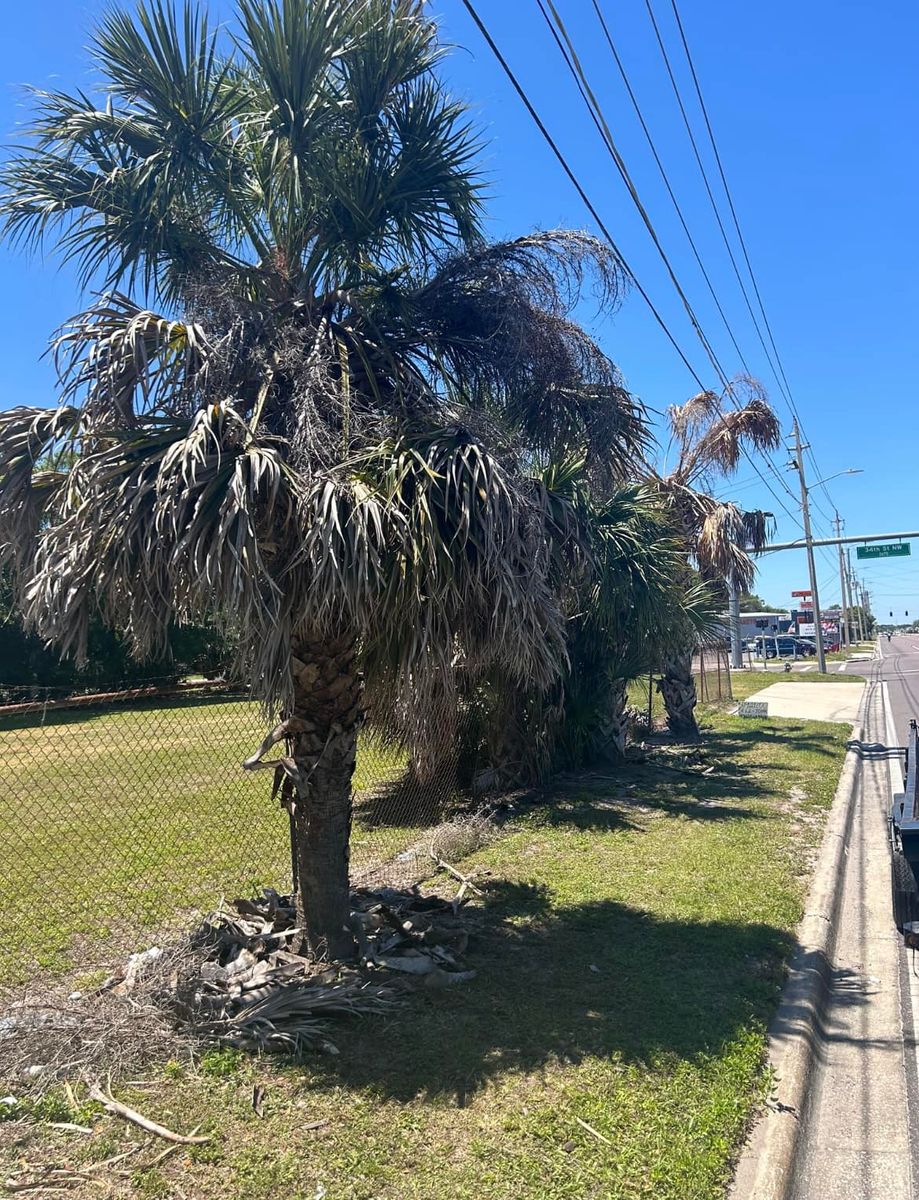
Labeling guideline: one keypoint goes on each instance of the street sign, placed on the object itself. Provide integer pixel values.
(804, 593)
(884, 550)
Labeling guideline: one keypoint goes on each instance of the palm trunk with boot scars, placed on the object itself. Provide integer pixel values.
(327, 714)
(613, 724)
(678, 690)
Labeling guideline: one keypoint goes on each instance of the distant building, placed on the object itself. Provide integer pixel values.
(752, 624)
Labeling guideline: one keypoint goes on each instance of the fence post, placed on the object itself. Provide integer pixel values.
(650, 699)
(293, 853)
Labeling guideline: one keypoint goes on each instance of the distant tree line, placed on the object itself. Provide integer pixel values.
(26, 661)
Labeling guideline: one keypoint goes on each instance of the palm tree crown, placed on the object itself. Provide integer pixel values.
(709, 438)
(310, 399)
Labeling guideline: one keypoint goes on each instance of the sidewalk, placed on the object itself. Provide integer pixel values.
(811, 701)
(854, 1143)
(841, 1123)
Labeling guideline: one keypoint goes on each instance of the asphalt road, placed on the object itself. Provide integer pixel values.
(861, 1124)
(899, 669)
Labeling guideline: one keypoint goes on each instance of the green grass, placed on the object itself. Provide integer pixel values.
(629, 955)
(120, 818)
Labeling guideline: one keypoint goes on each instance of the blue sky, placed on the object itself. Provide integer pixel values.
(815, 110)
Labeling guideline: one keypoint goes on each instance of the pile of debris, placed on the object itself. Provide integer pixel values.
(244, 986)
(237, 980)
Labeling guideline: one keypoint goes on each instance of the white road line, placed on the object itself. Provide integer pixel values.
(891, 736)
(840, 668)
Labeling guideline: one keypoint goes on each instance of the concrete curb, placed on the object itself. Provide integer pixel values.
(766, 1166)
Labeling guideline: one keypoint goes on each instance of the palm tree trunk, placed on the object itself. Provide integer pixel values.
(520, 741)
(327, 714)
(614, 724)
(678, 689)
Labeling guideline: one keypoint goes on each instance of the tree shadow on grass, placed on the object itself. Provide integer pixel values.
(800, 736)
(561, 984)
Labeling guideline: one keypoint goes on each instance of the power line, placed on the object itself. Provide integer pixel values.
(572, 61)
(596, 114)
(563, 162)
(740, 237)
(727, 192)
(518, 88)
(708, 189)
(666, 179)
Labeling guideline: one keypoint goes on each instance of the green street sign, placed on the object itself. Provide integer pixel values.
(884, 550)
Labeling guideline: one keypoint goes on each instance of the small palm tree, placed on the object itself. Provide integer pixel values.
(638, 607)
(306, 405)
(709, 438)
(627, 602)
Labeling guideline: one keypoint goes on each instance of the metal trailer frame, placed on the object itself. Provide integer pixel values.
(904, 845)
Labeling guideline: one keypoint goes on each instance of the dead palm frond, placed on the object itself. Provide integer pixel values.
(710, 437)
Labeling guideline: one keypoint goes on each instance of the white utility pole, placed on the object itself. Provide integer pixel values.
(809, 542)
(852, 624)
(844, 623)
(866, 600)
(734, 611)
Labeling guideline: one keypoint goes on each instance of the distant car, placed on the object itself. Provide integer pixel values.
(806, 647)
(783, 646)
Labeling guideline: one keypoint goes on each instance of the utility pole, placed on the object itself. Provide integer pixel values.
(853, 612)
(844, 623)
(734, 610)
(853, 585)
(809, 542)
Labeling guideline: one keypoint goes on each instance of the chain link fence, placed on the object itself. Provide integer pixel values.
(711, 671)
(124, 815)
(131, 812)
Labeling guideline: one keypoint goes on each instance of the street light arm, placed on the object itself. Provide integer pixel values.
(848, 471)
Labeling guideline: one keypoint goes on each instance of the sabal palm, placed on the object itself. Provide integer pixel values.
(314, 415)
(710, 436)
(628, 603)
(635, 605)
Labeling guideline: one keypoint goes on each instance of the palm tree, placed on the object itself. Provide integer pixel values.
(709, 438)
(306, 402)
(638, 605)
(626, 602)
